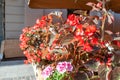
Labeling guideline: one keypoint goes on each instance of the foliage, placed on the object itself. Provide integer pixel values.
(75, 42)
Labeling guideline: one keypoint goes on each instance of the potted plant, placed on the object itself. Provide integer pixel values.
(72, 49)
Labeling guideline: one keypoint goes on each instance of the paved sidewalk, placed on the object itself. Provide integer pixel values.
(16, 70)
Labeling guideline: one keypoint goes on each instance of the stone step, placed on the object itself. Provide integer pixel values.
(16, 70)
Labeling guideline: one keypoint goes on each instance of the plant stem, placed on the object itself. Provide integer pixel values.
(103, 22)
(103, 27)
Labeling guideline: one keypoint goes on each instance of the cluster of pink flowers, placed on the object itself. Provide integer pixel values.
(61, 67)
(47, 72)
(64, 66)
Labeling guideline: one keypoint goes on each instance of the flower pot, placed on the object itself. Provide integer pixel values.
(37, 70)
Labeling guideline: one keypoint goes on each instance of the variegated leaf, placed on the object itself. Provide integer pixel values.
(80, 12)
(116, 38)
(90, 4)
(104, 72)
(110, 18)
(81, 76)
(115, 74)
(67, 39)
(92, 65)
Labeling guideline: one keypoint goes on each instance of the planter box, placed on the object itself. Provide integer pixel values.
(11, 48)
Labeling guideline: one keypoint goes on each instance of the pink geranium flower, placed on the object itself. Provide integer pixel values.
(47, 72)
(62, 67)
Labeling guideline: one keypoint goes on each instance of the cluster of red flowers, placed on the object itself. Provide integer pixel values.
(28, 41)
(38, 45)
(85, 34)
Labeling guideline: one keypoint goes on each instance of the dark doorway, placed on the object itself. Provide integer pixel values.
(1, 20)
